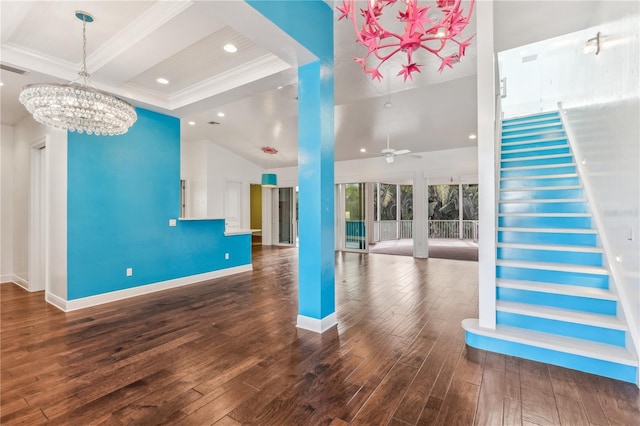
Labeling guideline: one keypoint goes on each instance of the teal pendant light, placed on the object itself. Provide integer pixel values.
(269, 180)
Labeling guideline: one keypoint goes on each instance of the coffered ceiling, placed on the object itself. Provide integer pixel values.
(133, 43)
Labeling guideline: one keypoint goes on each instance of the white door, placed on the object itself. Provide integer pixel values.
(233, 205)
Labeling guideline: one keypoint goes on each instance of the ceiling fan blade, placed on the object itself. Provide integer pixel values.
(388, 151)
(402, 152)
(415, 156)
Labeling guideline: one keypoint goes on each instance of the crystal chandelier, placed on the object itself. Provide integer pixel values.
(79, 106)
(424, 28)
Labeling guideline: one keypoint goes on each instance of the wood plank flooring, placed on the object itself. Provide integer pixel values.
(227, 352)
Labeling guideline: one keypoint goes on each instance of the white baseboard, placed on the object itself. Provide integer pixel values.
(56, 301)
(86, 302)
(317, 325)
(10, 278)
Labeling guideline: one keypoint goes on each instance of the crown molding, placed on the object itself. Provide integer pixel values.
(148, 22)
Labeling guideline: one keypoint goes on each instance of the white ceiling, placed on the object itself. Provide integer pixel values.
(132, 43)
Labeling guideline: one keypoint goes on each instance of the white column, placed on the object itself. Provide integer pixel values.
(398, 210)
(460, 212)
(369, 213)
(267, 216)
(486, 165)
(420, 216)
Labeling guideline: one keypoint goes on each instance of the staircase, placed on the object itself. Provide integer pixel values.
(553, 301)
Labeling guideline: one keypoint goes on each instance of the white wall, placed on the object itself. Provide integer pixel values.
(607, 138)
(57, 171)
(6, 203)
(26, 132)
(207, 167)
(193, 169)
(601, 96)
(563, 72)
(438, 167)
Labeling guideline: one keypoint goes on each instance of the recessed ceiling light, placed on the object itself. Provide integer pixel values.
(472, 136)
(221, 114)
(162, 80)
(230, 48)
(1, 84)
(279, 87)
(363, 150)
(192, 123)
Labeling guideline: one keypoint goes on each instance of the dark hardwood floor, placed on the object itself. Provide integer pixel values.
(227, 352)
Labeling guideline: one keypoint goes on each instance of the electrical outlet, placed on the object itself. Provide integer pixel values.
(172, 222)
(129, 272)
(226, 256)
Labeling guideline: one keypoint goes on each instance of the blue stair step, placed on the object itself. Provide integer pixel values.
(569, 179)
(534, 152)
(506, 147)
(545, 220)
(560, 159)
(534, 136)
(532, 117)
(570, 255)
(606, 329)
(543, 170)
(532, 128)
(584, 276)
(592, 300)
(511, 125)
(591, 357)
(574, 237)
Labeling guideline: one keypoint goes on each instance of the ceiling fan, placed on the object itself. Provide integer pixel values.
(389, 153)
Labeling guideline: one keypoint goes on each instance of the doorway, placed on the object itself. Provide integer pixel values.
(233, 205)
(38, 218)
(287, 216)
(255, 207)
(352, 217)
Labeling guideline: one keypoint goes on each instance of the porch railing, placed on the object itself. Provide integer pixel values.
(399, 229)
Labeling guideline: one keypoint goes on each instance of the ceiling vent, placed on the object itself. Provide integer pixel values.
(529, 58)
(4, 67)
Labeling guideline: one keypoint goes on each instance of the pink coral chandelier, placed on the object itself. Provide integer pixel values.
(421, 31)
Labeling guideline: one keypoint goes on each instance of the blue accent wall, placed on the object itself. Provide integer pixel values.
(122, 191)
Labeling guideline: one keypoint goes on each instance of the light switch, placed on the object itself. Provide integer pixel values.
(172, 222)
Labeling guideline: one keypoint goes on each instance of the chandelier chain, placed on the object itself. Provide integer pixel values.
(83, 72)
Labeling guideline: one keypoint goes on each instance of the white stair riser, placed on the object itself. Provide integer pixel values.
(537, 171)
(558, 207)
(544, 222)
(540, 182)
(540, 194)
